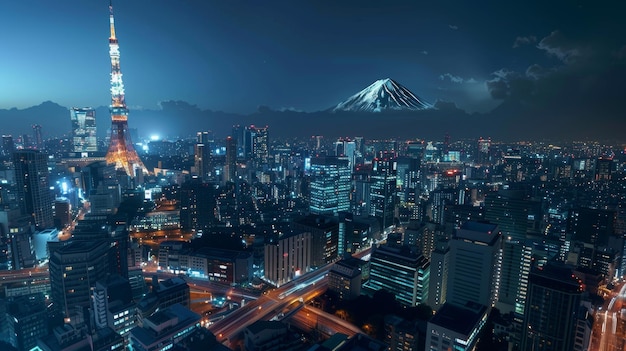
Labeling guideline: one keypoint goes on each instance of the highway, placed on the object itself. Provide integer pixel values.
(271, 304)
(607, 331)
(310, 318)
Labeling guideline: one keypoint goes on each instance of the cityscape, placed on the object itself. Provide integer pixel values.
(385, 220)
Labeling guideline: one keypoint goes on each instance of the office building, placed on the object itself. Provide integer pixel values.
(404, 335)
(259, 144)
(399, 270)
(439, 267)
(345, 280)
(552, 309)
(113, 305)
(592, 226)
(8, 146)
(383, 191)
(270, 336)
(37, 137)
(475, 264)
(347, 149)
(163, 294)
(230, 166)
(35, 197)
(164, 329)
(456, 327)
(203, 155)
(197, 205)
(27, 320)
(330, 185)
(324, 247)
(83, 129)
(287, 257)
(74, 270)
(516, 264)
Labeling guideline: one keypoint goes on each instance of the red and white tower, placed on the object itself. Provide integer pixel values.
(121, 151)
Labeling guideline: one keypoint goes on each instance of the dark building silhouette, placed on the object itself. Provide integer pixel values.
(33, 188)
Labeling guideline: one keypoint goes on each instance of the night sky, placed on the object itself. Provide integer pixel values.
(309, 55)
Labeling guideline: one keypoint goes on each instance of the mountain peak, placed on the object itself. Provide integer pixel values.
(383, 94)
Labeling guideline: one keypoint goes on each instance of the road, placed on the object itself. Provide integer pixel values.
(268, 305)
(607, 332)
(310, 318)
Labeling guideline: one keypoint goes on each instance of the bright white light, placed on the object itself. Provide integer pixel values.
(154, 137)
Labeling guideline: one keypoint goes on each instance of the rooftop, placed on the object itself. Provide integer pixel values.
(459, 319)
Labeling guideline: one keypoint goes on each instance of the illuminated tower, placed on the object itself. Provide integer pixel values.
(121, 151)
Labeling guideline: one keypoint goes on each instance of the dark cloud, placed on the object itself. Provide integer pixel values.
(558, 45)
(456, 79)
(453, 27)
(519, 41)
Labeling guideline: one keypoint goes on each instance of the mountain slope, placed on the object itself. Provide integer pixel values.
(383, 94)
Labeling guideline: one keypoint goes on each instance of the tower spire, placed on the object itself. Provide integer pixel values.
(121, 151)
(111, 21)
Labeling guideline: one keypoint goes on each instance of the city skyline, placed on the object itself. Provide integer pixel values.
(556, 59)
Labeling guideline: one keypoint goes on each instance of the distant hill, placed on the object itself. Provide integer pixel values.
(512, 120)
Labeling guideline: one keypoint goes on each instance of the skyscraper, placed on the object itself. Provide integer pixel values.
(230, 167)
(383, 191)
(31, 176)
(74, 270)
(83, 129)
(330, 185)
(260, 144)
(552, 305)
(401, 271)
(37, 136)
(121, 151)
(8, 146)
(475, 261)
(203, 154)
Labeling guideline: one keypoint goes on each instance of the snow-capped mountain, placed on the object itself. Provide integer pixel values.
(383, 94)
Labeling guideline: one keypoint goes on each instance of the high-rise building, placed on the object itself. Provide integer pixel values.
(203, 155)
(121, 150)
(287, 257)
(552, 309)
(408, 179)
(31, 176)
(592, 226)
(456, 327)
(330, 185)
(475, 263)
(516, 265)
(165, 329)
(26, 318)
(514, 214)
(324, 237)
(383, 191)
(259, 144)
(403, 272)
(230, 166)
(83, 129)
(197, 205)
(346, 148)
(74, 270)
(438, 279)
(37, 137)
(113, 305)
(345, 280)
(8, 146)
